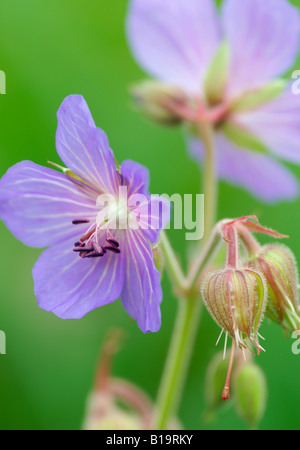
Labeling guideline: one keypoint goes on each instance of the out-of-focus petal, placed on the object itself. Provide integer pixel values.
(71, 286)
(260, 174)
(84, 148)
(38, 204)
(277, 124)
(174, 40)
(142, 294)
(263, 38)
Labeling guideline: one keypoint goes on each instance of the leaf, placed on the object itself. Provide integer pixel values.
(217, 75)
(254, 99)
(243, 138)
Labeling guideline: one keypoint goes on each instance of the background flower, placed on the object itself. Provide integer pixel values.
(177, 43)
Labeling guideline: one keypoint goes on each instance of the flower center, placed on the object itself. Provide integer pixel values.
(98, 239)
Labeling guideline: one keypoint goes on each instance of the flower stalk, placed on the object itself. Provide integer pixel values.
(190, 305)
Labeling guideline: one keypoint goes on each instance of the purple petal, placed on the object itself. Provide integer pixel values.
(152, 212)
(141, 295)
(71, 286)
(259, 174)
(277, 124)
(263, 38)
(38, 204)
(137, 177)
(174, 40)
(84, 148)
(152, 216)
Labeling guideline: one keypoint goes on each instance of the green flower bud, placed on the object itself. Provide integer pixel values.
(259, 97)
(217, 75)
(159, 101)
(279, 267)
(250, 393)
(236, 298)
(214, 382)
(103, 415)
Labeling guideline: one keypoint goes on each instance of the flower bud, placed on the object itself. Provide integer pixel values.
(250, 393)
(159, 101)
(102, 414)
(236, 299)
(214, 382)
(279, 267)
(115, 404)
(217, 75)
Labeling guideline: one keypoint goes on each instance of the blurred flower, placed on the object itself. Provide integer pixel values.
(115, 404)
(157, 101)
(92, 259)
(229, 75)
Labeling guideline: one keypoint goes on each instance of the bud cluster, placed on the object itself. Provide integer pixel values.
(249, 389)
(264, 283)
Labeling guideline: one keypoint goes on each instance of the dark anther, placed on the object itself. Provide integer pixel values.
(82, 249)
(112, 249)
(95, 255)
(80, 221)
(113, 243)
(79, 244)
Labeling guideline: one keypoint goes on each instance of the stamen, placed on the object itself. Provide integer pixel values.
(80, 221)
(97, 247)
(113, 242)
(79, 244)
(112, 249)
(95, 255)
(83, 249)
(88, 234)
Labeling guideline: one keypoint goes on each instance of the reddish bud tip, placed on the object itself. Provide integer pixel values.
(226, 393)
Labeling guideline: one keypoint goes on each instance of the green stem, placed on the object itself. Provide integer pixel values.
(175, 271)
(189, 312)
(210, 184)
(205, 257)
(176, 368)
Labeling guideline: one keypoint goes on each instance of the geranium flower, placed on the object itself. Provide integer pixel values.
(90, 262)
(228, 66)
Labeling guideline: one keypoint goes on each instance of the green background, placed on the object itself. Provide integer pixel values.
(49, 50)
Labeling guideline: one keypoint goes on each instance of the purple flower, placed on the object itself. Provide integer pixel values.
(89, 262)
(257, 122)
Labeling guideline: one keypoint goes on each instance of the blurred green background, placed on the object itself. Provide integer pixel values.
(49, 50)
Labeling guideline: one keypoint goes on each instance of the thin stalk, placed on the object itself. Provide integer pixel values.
(189, 311)
(176, 273)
